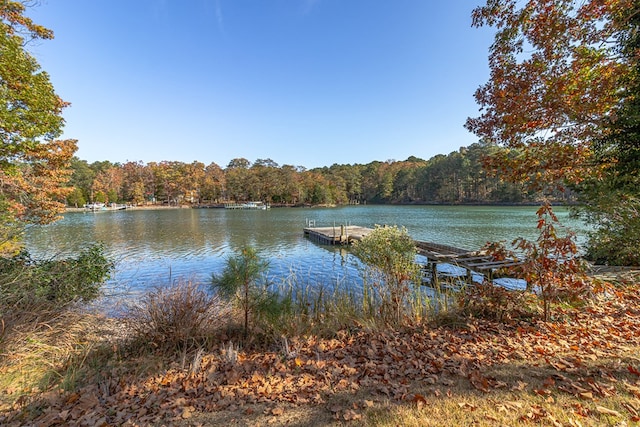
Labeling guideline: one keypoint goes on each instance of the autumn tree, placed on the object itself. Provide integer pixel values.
(168, 184)
(554, 80)
(562, 74)
(263, 179)
(192, 180)
(136, 183)
(214, 182)
(110, 183)
(290, 188)
(237, 174)
(34, 165)
(81, 181)
(349, 181)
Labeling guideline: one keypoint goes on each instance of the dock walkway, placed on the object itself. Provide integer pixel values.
(472, 261)
(336, 235)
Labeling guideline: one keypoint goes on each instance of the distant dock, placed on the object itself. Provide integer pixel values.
(336, 235)
(248, 205)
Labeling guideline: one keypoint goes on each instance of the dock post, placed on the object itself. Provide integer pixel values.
(333, 242)
(434, 274)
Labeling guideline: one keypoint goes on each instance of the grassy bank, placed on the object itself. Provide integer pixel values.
(324, 363)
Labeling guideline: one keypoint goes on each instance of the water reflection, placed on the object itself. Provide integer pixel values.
(156, 246)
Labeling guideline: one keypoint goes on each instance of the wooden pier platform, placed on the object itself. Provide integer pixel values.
(337, 235)
(472, 261)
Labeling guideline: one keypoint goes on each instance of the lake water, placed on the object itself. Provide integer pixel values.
(153, 247)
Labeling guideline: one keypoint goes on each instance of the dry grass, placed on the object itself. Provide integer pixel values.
(38, 345)
(181, 316)
(452, 404)
(458, 404)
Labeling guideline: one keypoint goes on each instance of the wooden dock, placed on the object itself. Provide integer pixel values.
(336, 235)
(472, 261)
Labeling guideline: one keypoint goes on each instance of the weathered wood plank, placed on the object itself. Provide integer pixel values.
(338, 235)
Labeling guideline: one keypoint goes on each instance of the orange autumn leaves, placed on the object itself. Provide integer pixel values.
(34, 165)
(580, 357)
(555, 76)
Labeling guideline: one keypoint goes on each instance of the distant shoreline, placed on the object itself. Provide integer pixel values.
(137, 208)
(221, 205)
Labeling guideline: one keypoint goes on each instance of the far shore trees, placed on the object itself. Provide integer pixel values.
(455, 178)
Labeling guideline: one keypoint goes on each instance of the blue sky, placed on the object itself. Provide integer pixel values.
(302, 82)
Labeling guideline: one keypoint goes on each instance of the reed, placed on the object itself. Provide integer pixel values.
(320, 308)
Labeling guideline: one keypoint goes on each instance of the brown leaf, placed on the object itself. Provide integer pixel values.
(549, 382)
(350, 415)
(554, 421)
(479, 381)
(469, 406)
(335, 409)
(633, 389)
(519, 386)
(586, 395)
(607, 411)
(419, 400)
(632, 410)
(73, 397)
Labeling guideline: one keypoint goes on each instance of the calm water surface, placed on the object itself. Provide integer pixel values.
(153, 247)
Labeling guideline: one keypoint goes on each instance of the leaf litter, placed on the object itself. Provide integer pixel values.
(389, 364)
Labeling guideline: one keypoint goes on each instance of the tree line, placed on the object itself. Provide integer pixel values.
(458, 177)
(559, 116)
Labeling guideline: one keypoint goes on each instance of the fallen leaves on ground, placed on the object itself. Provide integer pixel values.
(388, 364)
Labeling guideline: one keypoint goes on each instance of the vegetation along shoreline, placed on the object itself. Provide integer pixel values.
(558, 123)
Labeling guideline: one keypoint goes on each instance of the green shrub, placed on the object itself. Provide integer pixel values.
(392, 272)
(616, 238)
(11, 230)
(24, 280)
